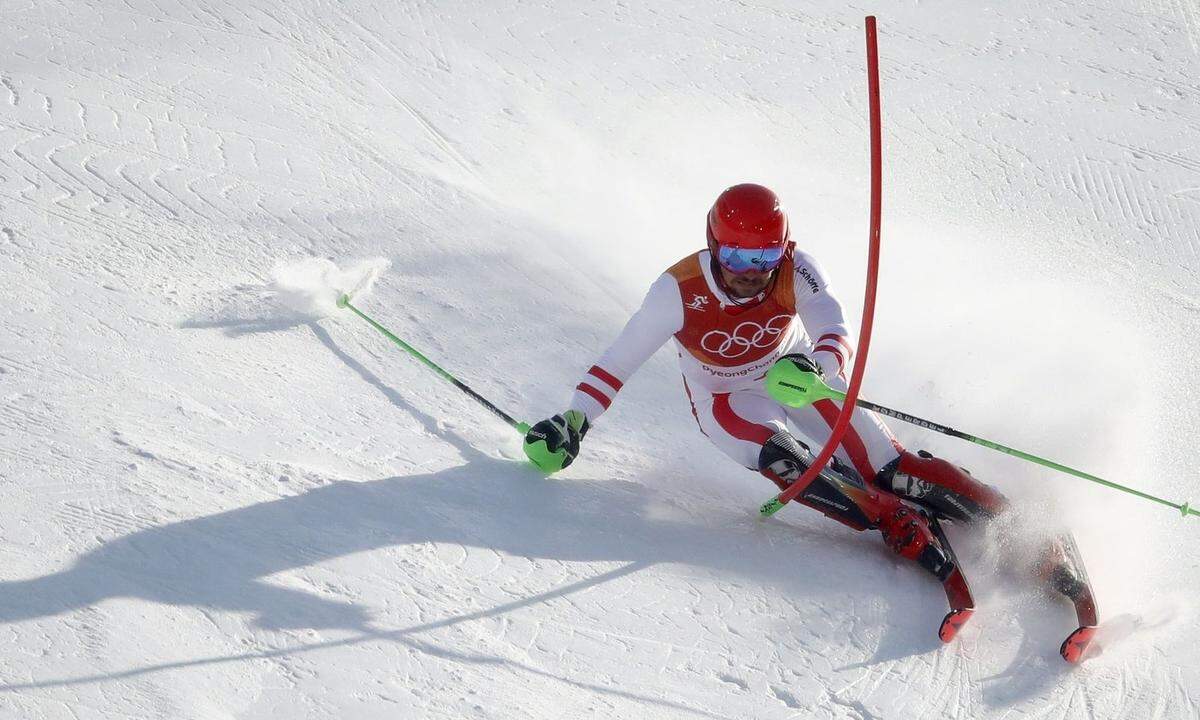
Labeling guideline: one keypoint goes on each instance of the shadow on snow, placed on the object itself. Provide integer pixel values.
(220, 561)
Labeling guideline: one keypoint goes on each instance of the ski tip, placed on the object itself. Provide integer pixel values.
(1078, 645)
(953, 622)
(343, 300)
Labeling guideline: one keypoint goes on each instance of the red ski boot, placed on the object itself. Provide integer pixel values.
(942, 487)
(906, 531)
(912, 535)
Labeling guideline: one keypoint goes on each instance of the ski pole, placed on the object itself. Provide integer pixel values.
(344, 302)
(794, 387)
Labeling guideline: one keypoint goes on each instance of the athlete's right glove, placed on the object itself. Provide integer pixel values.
(553, 443)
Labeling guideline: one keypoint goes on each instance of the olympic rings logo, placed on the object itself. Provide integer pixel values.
(745, 336)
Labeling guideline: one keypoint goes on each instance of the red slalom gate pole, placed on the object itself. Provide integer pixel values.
(864, 344)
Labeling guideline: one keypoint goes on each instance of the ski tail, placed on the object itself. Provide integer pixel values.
(962, 606)
(1078, 644)
(958, 592)
(1063, 569)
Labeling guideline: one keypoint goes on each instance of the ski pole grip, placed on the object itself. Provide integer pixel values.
(791, 385)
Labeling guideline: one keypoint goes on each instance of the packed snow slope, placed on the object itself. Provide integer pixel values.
(219, 504)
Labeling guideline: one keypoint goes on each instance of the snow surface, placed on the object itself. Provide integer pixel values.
(217, 506)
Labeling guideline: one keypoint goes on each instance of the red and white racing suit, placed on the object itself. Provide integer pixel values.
(725, 349)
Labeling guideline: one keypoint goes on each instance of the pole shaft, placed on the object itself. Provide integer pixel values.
(403, 345)
(911, 419)
(522, 427)
(1070, 471)
(919, 422)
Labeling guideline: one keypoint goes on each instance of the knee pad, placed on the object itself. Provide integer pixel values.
(838, 491)
(784, 459)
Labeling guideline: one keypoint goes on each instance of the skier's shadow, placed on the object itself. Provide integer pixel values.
(222, 561)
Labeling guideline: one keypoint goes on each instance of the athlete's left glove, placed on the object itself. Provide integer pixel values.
(552, 444)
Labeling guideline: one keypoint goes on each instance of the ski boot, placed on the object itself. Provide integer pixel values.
(839, 493)
(946, 490)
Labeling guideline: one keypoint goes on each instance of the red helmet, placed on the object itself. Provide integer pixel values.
(747, 216)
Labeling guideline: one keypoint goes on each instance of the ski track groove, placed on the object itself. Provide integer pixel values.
(431, 130)
(1115, 196)
(1145, 78)
(144, 154)
(14, 97)
(438, 49)
(1188, 15)
(117, 522)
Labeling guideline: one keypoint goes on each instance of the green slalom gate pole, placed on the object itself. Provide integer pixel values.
(792, 386)
(344, 302)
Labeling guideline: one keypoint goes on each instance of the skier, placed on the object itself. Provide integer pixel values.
(732, 309)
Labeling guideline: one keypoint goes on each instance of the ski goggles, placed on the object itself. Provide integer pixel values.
(743, 260)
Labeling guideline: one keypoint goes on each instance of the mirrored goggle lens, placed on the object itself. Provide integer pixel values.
(740, 260)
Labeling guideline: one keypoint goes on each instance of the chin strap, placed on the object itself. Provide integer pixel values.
(740, 304)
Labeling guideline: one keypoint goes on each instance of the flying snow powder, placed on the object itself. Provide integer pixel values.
(312, 286)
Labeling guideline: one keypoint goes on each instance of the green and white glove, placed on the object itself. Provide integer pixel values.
(552, 444)
(803, 363)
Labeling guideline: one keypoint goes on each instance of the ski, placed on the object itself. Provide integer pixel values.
(958, 593)
(1062, 568)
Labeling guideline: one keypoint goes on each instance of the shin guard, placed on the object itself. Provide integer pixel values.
(838, 492)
